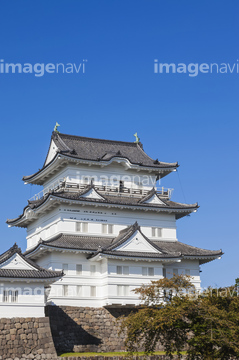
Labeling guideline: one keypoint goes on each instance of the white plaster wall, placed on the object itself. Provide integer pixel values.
(63, 218)
(31, 300)
(106, 278)
(21, 310)
(191, 265)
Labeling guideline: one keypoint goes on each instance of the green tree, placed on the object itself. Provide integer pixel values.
(173, 314)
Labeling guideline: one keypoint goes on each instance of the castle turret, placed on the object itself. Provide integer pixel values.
(102, 219)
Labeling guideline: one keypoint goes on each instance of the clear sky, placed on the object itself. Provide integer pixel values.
(189, 119)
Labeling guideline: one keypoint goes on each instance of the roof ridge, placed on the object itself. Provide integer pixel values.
(97, 139)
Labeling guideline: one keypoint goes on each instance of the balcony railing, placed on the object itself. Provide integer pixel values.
(61, 184)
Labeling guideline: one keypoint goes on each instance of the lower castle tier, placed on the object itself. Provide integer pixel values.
(109, 235)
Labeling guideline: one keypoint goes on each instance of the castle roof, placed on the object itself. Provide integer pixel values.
(122, 201)
(13, 264)
(98, 151)
(119, 247)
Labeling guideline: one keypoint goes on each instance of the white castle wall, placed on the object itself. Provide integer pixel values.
(31, 300)
(105, 279)
(63, 220)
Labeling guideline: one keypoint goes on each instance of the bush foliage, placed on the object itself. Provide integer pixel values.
(176, 316)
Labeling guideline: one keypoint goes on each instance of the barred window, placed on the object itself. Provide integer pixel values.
(156, 232)
(122, 270)
(10, 296)
(65, 268)
(107, 228)
(15, 296)
(5, 296)
(92, 269)
(82, 227)
(93, 291)
(122, 290)
(79, 290)
(65, 290)
(147, 271)
(78, 269)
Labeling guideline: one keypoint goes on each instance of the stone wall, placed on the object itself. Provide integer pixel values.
(77, 329)
(142, 357)
(26, 338)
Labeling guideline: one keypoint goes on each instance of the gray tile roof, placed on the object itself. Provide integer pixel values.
(126, 200)
(37, 273)
(168, 249)
(116, 200)
(101, 150)
(184, 249)
(95, 245)
(65, 241)
(31, 274)
(104, 150)
(119, 200)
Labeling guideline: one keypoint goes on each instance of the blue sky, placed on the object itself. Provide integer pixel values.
(192, 120)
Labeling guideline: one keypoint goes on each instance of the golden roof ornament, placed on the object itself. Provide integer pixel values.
(56, 127)
(136, 138)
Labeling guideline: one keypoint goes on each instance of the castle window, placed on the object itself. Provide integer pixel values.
(119, 270)
(122, 290)
(147, 271)
(164, 273)
(10, 296)
(156, 232)
(65, 268)
(122, 270)
(151, 271)
(107, 228)
(78, 269)
(92, 269)
(82, 227)
(93, 291)
(65, 290)
(15, 296)
(79, 290)
(6, 296)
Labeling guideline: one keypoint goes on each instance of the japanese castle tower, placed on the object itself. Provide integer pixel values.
(101, 219)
